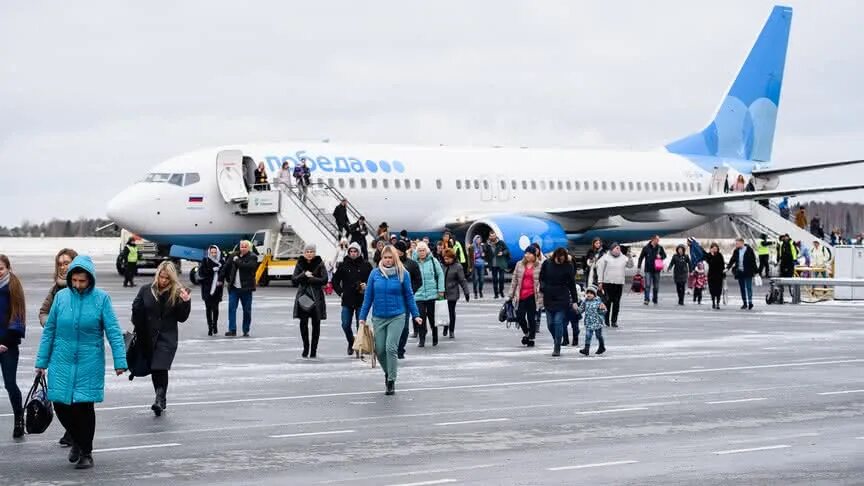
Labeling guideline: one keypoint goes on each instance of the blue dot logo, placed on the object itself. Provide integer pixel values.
(398, 166)
(385, 166)
(371, 166)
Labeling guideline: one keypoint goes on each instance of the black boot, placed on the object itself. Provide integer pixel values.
(584, 351)
(435, 336)
(18, 428)
(601, 349)
(66, 440)
(350, 346)
(391, 387)
(74, 453)
(452, 328)
(422, 340)
(209, 329)
(85, 462)
(159, 402)
(446, 328)
(557, 351)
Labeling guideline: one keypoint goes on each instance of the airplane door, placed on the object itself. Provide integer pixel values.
(486, 189)
(503, 188)
(718, 180)
(229, 176)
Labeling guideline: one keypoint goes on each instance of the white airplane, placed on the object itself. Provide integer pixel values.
(551, 196)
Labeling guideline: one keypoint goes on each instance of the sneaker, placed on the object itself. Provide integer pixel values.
(601, 350)
(245, 334)
(744, 307)
(524, 340)
(85, 462)
(645, 302)
(231, 334)
(750, 306)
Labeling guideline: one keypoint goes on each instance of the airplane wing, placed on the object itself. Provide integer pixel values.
(803, 168)
(614, 209)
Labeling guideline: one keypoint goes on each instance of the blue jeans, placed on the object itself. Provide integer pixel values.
(347, 314)
(746, 286)
(589, 333)
(9, 368)
(497, 280)
(245, 299)
(652, 283)
(477, 278)
(555, 321)
(403, 339)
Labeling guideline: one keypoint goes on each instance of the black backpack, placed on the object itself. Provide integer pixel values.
(38, 410)
(774, 296)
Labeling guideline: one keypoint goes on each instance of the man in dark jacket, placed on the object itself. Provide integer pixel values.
(130, 259)
(358, 232)
(239, 277)
(340, 214)
(787, 258)
(349, 281)
(499, 263)
(416, 282)
(650, 253)
(744, 267)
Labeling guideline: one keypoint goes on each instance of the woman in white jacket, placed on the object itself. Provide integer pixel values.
(610, 275)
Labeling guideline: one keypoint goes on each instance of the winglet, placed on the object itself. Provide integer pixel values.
(743, 126)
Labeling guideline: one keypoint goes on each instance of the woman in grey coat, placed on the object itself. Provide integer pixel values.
(454, 280)
(156, 312)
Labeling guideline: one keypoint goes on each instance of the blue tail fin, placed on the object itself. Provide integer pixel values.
(743, 126)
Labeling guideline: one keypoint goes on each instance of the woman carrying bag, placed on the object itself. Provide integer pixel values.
(156, 312)
(389, 296)
(310, 273)
(72, 348)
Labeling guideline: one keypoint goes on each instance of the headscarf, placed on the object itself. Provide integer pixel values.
(217, 265)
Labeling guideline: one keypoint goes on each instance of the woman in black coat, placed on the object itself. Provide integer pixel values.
(349, 282)
(310, 275)
(155, 313)
(716, 274)
(211, 287)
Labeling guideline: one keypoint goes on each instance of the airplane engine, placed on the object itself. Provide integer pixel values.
(519, 231)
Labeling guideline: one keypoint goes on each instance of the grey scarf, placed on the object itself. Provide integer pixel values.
(5, 280)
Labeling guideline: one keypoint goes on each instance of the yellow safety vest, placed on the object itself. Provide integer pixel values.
(460, 253)
(763, 248)
(132, 257)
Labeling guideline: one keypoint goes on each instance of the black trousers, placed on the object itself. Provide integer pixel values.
(697, 294)
(211, 308)
(526, 314)
(451, 310)
(612, 296)
(160, 379)
(79, 420)
(129, 273)
(427, 313)
(497, 280)
(715, 287)
(316, 332)
(764, 266)
(681, 287)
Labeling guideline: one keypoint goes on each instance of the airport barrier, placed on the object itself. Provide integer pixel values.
(795, 284)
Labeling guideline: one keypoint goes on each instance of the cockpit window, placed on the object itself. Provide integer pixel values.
(175, 179)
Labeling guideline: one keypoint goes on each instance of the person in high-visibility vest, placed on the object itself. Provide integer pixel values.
(130, 257)
(763, 250)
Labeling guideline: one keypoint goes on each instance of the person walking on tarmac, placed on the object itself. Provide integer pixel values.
(654, 256)
(499, 264)
(340, 214)
(359, 232)
(558, 285)
(763, 250)
(130, 259)
(72, 349)
(429, 292)
(156, 312)
(454, 280)
(349, 282)
(310, 274)
(525, 294)
(787, 257)
(480, 258)
(716, 274)
(680, 265)
(453, 244)
(238, 273)
(61, 265)
(743, 265)
(13, 321)
(389, 297)
(416, 281)
(212, 286)
(595, 253)
(611, 276)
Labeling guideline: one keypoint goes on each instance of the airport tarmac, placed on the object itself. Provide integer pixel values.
(683, 395)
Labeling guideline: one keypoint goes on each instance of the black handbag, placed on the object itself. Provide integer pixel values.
(306, 302)
(136, 360)
(38, 411)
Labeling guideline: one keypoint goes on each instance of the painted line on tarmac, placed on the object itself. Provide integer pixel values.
(611, 410)
(777, 438)
(427, 483)
(412, 473)
(754, 449)
(479, 421)
(741, 400)
(135, 448)
(842, 392)
(588, 466)
(312, 434)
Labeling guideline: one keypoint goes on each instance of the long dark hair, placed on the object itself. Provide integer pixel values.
(17, 305)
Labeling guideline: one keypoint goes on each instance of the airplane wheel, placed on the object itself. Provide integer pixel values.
(120, 266)
(193, 276)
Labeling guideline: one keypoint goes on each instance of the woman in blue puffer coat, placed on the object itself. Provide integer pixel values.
(429, 292)
(72, 349)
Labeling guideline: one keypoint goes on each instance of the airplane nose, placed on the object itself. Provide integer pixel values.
(124, 207)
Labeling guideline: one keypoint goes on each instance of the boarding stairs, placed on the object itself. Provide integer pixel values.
(768, 221)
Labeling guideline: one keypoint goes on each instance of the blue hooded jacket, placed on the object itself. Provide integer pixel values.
(73, 344)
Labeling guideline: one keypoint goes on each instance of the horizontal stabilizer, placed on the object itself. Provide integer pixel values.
(803, 168)
(612, 209)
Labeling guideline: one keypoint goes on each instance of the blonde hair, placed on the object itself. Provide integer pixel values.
(397, 262)
(174, 286)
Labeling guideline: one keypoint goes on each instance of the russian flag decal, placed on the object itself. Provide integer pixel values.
(195, 202)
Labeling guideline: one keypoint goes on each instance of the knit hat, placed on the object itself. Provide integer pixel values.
(591, 289)
(401, 246)
(354, 246)
(310, 247)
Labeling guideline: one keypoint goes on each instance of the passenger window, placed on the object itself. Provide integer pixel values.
(560, 186)
(612, 186)
(407, 183)
(192, 178)
(385, 183)
(362, 183)
(569, 186)
(351, 183)
(692, 187)
(623, 186)
(330, 182)
(663, 186)
(374, 183)
(341, 183)
(630, 185)
(513, 184)
(458, 184)
(677, 186)
(467, 184)
(576, 185)
(503, 184)
(396, 184)
(542, 185)
(596, 186)
(654, 186)
(476, 184)
(533, 185)
(485, 184)
(700, 187)
(437, 183)
(524, 184)
(417, 183)
(603, 185)
(638, 186)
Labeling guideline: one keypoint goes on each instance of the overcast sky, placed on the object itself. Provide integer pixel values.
(92, 96)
